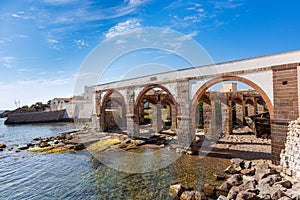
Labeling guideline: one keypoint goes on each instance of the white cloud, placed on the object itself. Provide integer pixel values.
(15, 15)
(122, 28)
(134, 2)
(229, 4)
(81, 43)
(7, 61)
(53, 42)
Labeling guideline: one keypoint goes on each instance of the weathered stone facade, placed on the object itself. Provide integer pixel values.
(274, 77)
(290, 155)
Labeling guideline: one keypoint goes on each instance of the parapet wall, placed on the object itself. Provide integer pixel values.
(290, 155)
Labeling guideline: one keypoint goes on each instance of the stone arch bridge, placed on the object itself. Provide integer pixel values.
(274, 77)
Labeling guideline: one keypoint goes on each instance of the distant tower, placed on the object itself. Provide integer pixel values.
(229, 87)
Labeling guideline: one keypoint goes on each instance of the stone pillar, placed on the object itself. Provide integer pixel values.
(173, 117)
(156, 118)
(260, 108)
(226, 108)
(251, 107)
(185, 131)
(239, 112)
(285, 87)
(207, 114)
(97, 118)
(142, 113)
(132, 116)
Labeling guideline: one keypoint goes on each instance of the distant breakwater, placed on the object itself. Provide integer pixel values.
(38, 117)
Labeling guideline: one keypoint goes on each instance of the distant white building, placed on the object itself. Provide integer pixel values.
(88, 93)
(79, 107)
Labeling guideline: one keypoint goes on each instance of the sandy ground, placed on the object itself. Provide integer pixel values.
(245, 146)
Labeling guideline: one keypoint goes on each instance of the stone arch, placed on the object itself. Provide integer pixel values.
(146, 89)
(214, 81)
(121, 121)
(170, 102)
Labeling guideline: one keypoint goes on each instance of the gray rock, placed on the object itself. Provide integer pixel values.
(221, 197)
(235, 180)
(225, 186)
(247, 164)
(249, 185)
(270, 180)
(233, 192)
(265, 190)
(265, 197)
(294, 194)
(262, 167)
(230, 170)
(247, 195)
(285, 198)
(286, 184)
(248, 172)
(248, 178)
(237, 162)
(296, 186)
(277, 195)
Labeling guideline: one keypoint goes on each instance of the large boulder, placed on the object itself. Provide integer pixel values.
(247, 195)
(235, 180)
(270, 180)
(278, 194)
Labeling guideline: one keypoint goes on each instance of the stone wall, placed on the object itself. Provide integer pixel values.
(37, 117)
(290, 155)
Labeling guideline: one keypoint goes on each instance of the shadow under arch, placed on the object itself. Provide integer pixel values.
(120, 101)
(148, 88)
(201, 91)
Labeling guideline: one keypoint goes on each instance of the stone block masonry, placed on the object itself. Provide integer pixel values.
(290, 155)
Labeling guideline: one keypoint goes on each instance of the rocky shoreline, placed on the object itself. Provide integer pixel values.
(245, 179)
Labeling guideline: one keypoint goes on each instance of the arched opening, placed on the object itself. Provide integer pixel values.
(228, 106)
(156, 109)
(113, 112)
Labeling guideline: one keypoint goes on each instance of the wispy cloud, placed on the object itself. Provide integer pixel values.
(204, 15)
(53, 42)
(59, 2)
(123, 27)
(228, 4)
(7, 61)
(80, 43)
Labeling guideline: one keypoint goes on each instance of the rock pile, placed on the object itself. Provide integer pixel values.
(290, 156)
(245, 180)
(179, 191)
(256, 181)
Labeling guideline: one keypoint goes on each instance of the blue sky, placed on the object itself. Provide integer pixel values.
(43, 43)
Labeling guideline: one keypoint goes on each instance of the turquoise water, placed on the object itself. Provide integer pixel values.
(80, 176)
